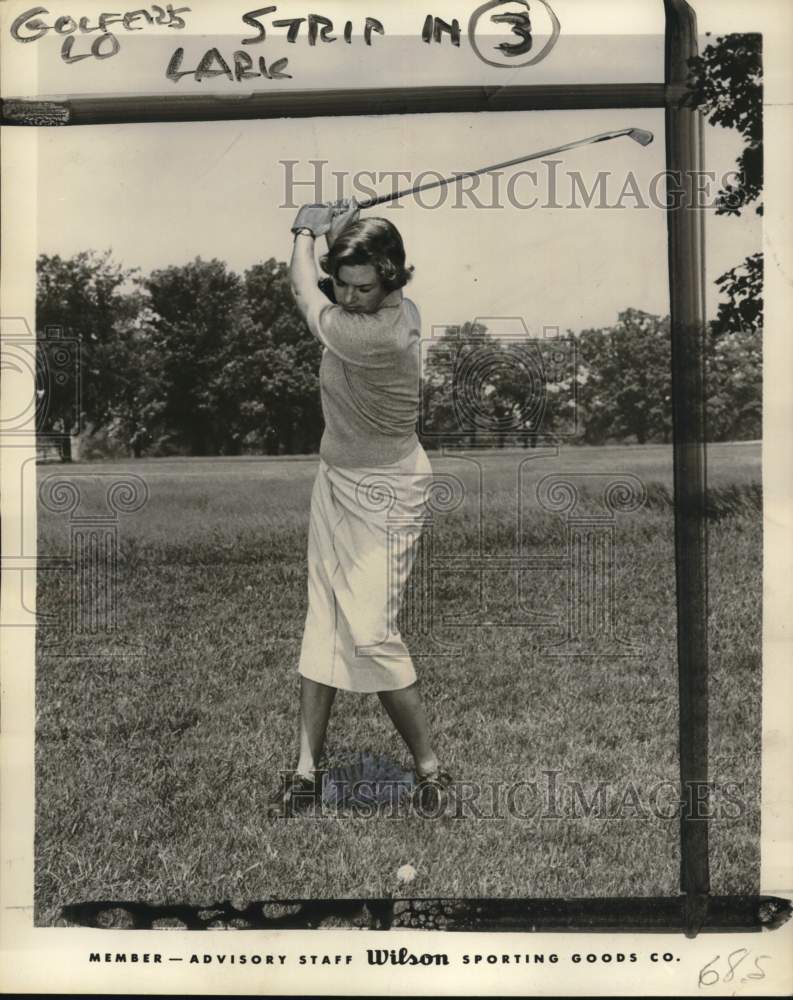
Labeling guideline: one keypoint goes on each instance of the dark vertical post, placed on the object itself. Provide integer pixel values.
(684, 158)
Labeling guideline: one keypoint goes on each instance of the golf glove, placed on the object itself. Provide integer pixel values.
(317, 218)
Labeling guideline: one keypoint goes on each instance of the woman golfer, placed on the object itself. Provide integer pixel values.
(368, 501)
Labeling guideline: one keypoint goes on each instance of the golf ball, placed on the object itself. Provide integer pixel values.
(406, 873)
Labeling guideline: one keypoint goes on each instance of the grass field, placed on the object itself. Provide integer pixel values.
(153, 771)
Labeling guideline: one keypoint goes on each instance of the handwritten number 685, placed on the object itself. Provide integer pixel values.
(709, 976)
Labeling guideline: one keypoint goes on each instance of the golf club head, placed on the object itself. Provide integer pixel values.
(641, 135)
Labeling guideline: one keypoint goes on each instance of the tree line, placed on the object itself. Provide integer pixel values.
(196, 359)
(191, 359)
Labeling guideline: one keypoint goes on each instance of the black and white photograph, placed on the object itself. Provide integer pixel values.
(392, 489)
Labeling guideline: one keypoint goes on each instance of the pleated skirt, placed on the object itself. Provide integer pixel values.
(364, 528)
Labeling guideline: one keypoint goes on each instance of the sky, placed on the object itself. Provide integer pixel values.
(161, 194)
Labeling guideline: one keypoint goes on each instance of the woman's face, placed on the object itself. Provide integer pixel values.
(358, 288)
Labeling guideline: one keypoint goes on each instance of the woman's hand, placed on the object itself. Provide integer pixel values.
(317, 218)
(345, 212)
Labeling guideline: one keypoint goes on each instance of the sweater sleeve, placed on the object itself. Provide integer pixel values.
(366, 340)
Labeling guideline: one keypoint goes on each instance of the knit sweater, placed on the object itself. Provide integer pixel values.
(369, 381)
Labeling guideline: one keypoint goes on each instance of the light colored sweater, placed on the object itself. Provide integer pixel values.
(369, 381)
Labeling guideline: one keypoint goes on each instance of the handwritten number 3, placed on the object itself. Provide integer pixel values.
(521, 25)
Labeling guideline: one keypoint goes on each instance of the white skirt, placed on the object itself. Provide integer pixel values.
(365, 525)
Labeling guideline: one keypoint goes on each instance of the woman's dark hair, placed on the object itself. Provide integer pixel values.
(370, 241)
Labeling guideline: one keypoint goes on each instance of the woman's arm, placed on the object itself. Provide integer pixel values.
(303, 274)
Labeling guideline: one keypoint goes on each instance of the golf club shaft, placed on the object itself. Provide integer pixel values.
(370, 202)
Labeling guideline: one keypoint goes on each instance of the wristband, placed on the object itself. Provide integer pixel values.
(304, 231)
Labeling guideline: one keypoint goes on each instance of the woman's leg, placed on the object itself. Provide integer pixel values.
(315, 703)
(406, 710)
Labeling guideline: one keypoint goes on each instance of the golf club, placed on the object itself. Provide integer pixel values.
(640, 135)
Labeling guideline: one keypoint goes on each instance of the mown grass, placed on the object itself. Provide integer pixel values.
(153, 771)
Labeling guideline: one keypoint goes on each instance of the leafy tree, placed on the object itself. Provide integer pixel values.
(84, 297)
(454, 409)
(626, 384)
(597, 365)
(195, 309)
(726, 84)
(743, 309)
(270, 305)
(131, 406)
(734, 374)
(277, 385)
(282, 400)
(233, 364)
